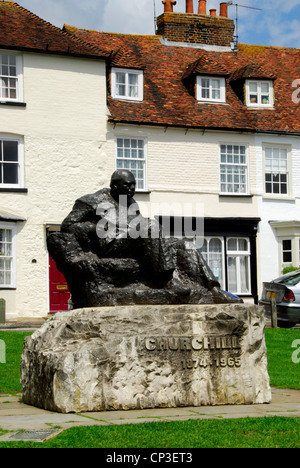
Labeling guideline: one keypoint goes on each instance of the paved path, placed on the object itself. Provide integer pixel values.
(14, 415)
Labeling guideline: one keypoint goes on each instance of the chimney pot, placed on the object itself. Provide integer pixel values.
(189, 6)
(224, 9)
(169, 5)
(213, 12)
(202, 7)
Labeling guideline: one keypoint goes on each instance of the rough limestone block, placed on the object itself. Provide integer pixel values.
(134, 357)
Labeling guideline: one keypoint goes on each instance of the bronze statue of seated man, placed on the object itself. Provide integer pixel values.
(111, 255)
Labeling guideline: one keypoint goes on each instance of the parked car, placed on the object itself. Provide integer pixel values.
(286, 291)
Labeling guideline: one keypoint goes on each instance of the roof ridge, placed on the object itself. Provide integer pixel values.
(255, 47)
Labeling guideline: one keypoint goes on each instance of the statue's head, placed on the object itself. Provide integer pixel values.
(122, 183)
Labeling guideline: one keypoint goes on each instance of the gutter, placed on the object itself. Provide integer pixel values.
(199, 127)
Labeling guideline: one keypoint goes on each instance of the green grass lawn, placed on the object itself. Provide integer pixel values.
(248, 432)
(10, 372)
(283, 372)
(273, 432)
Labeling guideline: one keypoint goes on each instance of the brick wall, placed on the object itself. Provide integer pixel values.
(196, 29)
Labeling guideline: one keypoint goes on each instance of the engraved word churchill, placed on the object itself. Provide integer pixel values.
(192, 343)
(205, 345)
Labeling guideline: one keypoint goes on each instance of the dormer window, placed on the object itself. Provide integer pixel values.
(210, 89)
(259, 93)
(127, 84)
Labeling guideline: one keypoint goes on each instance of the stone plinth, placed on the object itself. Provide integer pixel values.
(135, 357)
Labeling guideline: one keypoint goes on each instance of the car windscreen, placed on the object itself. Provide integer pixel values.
(289, 280)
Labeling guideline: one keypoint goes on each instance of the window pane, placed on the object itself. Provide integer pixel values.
(133, 85)
(232, 245)
(245, 284)
(216, 84)
(232, 274)
(216, 94)
(10, 150)
(205, 93)
(265, 87)
(253, 98)
(215, 245)
(10, 173)
(265, 99)
(216, 89)
(121, 90)
(287, 244)
(205, 90)
(121, 78)
(132, 79)
(242, 245)
(253, 86)
(287, 257)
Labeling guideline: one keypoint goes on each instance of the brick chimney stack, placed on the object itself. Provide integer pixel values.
(192, 28)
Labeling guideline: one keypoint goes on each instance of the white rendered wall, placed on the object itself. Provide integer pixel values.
(184, 167)
(64, 131)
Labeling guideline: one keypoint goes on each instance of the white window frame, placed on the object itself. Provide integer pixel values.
(127, 72)
(238, 254)
(20, 163)
(259, 93)
(18, 77)
(128, 162)
(287, 231)
(232, 168)
(277, 171)
(12, 227)
(210, 89)
(227, 256)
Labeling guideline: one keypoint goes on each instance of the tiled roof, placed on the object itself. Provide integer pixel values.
(22, 30)
(169, 70)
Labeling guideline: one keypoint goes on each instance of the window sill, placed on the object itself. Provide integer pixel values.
(7, 288)
(141, 192)
(238, 195)
(278, 197)
(14, 190)
(126, 99)
(255, 108)
(213, 102)
(13, 103)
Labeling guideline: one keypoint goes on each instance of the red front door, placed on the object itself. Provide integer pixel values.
(59, 291)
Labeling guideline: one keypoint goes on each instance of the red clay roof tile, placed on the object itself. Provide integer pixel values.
(22, 30)
(168, 100)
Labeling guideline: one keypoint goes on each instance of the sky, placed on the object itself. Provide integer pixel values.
(276, 24)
